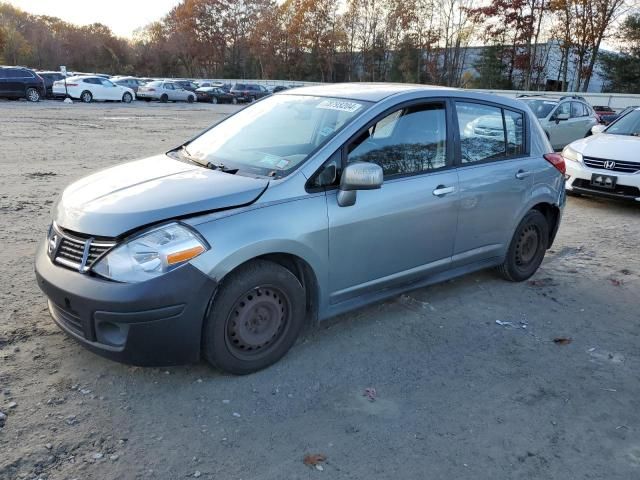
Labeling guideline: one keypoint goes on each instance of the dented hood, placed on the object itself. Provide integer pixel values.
(122, 198)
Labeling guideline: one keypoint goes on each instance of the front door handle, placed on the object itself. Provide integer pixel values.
(522, 174)
(441, 190)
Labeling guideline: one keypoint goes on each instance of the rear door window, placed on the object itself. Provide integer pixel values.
(489, 132)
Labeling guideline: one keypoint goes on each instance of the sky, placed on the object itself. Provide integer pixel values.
(122, 16)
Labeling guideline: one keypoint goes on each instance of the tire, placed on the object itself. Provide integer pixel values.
(234, 100)
(86, 96)
(255, 318)
(127, 98)
(252, 99)
(164, 98)
(190, 99)
(214, 100)
(527, 248)
(32, 94)
(147, 99)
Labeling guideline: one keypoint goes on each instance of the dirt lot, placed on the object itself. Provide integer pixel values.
(458, 396)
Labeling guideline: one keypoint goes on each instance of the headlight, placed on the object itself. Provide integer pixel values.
(151, 254)
(570, 154)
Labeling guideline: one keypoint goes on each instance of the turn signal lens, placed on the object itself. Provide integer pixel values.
(184, 255)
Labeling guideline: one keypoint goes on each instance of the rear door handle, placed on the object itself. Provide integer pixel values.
(441, 190)
(522, 174)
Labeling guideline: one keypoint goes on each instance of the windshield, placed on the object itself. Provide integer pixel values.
(541, 108)
(275, 135)
(626, 125)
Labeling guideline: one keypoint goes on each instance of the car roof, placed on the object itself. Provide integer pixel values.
(368, 92)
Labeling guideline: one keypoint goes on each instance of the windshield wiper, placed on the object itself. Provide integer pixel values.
(205, 163)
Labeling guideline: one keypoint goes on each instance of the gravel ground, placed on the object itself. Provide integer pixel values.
(457, 395)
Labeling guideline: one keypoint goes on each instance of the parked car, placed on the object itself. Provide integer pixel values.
(187, 85)
(214, 95)
(49, 78)
(563, 120)
(609, 119)
(607, 163)
(20, 82)
(302, 206)
(248, 92)
(165, 91)
(132, 82)
(279, 88)
(88, 89)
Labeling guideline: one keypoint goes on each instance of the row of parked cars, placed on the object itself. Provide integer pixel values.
(21, 82)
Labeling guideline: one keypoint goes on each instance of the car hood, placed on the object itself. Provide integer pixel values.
(122, 198)
(623, 148)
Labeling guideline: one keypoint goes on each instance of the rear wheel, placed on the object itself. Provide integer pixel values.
(527, 248)
(32, 94)
(252, 99)
(214, 99)
(86, 96)
(127, 97)
(164, 98)
(190, 99)
(255, 318)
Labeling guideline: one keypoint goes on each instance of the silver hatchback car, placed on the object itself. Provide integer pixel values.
(304, 205)
(165, 91)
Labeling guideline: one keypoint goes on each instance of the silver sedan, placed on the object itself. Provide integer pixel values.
(165, 91)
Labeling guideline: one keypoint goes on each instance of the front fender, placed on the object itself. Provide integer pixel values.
(298, 228)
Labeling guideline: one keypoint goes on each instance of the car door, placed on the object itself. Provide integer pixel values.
(406, 229)
(561, 132)
(111, 90)
(15, 83)
(94, 85)
(495, 176)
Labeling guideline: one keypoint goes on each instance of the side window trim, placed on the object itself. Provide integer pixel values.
(449, 147)
(455, 130)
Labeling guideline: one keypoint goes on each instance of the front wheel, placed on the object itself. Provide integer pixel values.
(255, 318)
(527, 248)
(127, 97)
(33, 95)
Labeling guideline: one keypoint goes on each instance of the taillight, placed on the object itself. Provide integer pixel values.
(150, 89)
(72, 84)
(557, 160)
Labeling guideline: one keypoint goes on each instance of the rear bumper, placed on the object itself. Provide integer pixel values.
(157, 322)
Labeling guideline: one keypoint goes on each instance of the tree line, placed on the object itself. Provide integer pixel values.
(423, 41)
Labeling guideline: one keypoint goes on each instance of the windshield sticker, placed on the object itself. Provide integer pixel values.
(326, 131)
(270, 160)
(340, 105)
(282, 164)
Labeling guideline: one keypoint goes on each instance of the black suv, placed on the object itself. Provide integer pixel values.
(20, 82)
(249, 92)
(49, 78)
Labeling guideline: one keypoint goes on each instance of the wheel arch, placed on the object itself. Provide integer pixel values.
(553, 215)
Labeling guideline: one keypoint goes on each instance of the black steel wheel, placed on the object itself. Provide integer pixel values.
(527, 247)
(255, 318)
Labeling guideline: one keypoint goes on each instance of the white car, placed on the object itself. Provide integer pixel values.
(88, 89)
(607, 164)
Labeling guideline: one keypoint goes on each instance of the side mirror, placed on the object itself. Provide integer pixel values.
(358, 176)
(596, 129)
(562, 116)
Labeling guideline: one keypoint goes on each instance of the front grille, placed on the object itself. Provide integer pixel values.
(622, 167)
(72, 248)
(68, 319)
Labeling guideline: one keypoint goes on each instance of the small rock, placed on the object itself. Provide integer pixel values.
(97, 456)
(48, 446)
(85, 391)
(12, 405)
(197, 474)
(236, 414)
(199, 380)
(319, 467)
(226, 401)
(114, 457)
